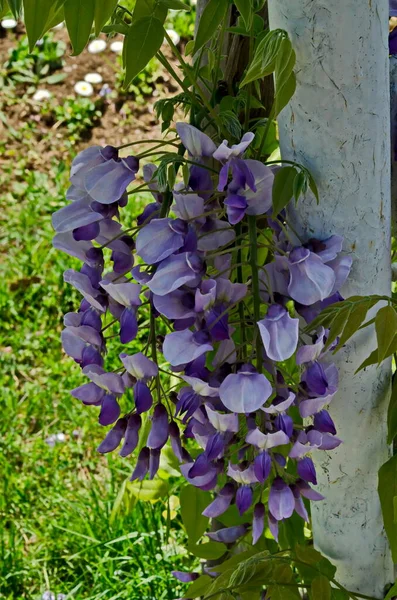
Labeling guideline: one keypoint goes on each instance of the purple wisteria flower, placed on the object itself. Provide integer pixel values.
(279, 333)
(205, 368)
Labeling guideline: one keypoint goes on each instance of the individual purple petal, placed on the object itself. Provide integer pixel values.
(223, 153)
(215, 234)
(171, 274)
(188, 402)
(244, 497)
(274, 278)
(176, 305)
(236, 208)
(131, 435)
(142, 466)
(279, 332)
(187, 206)
(181, 347)
(158, 435)
(279, 407)
(201, 466)
(86, 232)
(66, 243)
(197, 143)
(126, 294)
(221, 422)
(221, 502)
(75, 215)
(281, 500)
(207, 481)
(325, 441)
(258, 523)
(107, 182)
(241, 474)
(310, 353)
(268, 440)
(308, 408)
(82, 283)
(299, 506)
(185, 577)
(307, 492)
(88, 393)
(205, 295)
(323, 422)
(139, 366)
(226, 352)
(341, 267)
(284, 423)
(393, 38)
(151, 211)
(245, 392)
(128, 326)
(201, 387)
(327, 249)
(262, 466)
(311, 280)
(259, 202)
(110, 410)
(175, 439)
(303, 445)
(316, 379)
(143, 397)
(113, 437)
(91, 356)
(215, 447)
(306, 470)
(229, 535)
(112, 382)
(157, 240)
(154, 463)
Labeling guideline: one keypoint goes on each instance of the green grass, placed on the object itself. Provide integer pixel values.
(59, 528)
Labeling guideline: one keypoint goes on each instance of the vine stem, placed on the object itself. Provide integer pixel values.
(255, 286)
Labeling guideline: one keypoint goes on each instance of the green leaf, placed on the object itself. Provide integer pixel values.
(387, 489)
(314, 188)
(372, 359)
(144, 39)
(283, 188)
(193, 502)
(103, 11)
(175, 4)
(56, 78)
(386, 329)
(149, 8)
(209, 551)
(36, 14)
(339, 594)
(354, 322)
(321, 588)
(282, 592)
(79, 17)
(15, 7)
(392, 414)
(4, 8)
(264, 61)
(312, 557)
(392, 592)
(199, 587)
(338, 324)
(245, 9)
(212, 17)
(300, 185)
(285, 80)
(149, 491)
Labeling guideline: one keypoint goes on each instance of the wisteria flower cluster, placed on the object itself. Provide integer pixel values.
(229, 289)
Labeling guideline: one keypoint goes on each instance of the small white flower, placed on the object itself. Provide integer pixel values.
(9, 23)
(83, 88)
(176, 38)
(55, 438)
(41, 95)
(96, 46)
(117, 46)
(93, 78)
(48, 596)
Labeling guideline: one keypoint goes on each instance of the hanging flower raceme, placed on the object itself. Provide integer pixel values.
(185, 295)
